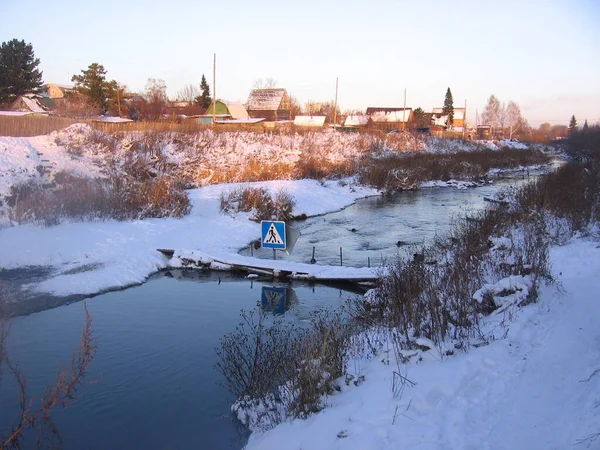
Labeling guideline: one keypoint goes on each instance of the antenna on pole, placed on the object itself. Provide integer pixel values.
(335, 104)
(214, 89)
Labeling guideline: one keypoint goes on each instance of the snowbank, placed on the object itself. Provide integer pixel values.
(535, 386)
(90, 257)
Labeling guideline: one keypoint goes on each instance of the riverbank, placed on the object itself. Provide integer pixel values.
(535, 387)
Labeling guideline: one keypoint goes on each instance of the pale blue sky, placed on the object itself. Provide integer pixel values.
(545, 55)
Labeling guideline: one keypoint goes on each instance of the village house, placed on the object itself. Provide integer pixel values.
(58, 90)
(270, 104)
(441, 120)
(390, 118)
(32, 103)
(231, 110)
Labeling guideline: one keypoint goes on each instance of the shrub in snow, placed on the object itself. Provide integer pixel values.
(278, 371)
(260, 202)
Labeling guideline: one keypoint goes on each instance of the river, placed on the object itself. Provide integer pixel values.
(155, 385)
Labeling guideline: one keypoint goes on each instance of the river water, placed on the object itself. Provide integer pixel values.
(155, 385)
(376, 230)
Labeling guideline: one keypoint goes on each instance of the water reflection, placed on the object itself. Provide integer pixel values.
(277, 300)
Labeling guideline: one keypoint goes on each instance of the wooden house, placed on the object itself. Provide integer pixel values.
(458, 122)
(32, 103)
(270, 104)
(58, 90)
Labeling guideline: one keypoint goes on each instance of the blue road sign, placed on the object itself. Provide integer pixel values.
(273, 234)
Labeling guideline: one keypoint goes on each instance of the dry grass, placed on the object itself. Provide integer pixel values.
(397, 171)
(121, 197)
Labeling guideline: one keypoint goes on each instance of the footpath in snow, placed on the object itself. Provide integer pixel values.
(536, 388)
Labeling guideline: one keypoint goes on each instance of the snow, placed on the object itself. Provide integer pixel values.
(309, 121)
(124, 253)
(15, 113)
(110, 119)
(536, 386)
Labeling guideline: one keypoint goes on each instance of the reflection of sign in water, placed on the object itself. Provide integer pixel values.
(273, 234)
(273, 299)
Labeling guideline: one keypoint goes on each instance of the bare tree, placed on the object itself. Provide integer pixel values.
(188, 93)
(63, 392)
(494, 113)
(295, 108)
(268, 83)
(514, 119)
(156, 98)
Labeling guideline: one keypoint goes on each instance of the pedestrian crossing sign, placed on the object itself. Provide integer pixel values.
(273, 234)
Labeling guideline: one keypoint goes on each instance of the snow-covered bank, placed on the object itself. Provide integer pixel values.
(90, 257)
(536, 387)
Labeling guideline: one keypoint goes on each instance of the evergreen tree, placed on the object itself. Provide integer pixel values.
(585, 125)
(204, 99)
(18, 70)
(92, 84)
(572, 124)
(448, 108)
(419, 116)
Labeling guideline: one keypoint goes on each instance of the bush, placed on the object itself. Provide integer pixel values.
(260, 201)
(119, 197)
(391, 171)
(280, 371)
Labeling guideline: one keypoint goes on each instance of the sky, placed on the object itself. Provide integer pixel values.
(542, 54)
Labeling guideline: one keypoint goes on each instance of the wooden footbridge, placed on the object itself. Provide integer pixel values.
(255, 267)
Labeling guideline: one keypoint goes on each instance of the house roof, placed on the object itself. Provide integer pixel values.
(30, 102)
(265, 99)
(235, 110)
(62, 86)
(309, 121)
(377, 109)
(356, 120)
(389, 114)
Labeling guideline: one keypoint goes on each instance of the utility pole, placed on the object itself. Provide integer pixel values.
(335, 104)
(214, 118)
(464, 121)
(404, 112)
(118, 101)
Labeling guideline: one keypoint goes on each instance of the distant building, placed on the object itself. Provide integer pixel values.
(484, 132)
(58, 90)
(270, 104)
(441, 119)
(231, 110)
(356, 121)
(32, 103)
(390, 118)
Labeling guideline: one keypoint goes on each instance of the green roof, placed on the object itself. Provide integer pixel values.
(221, 108)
